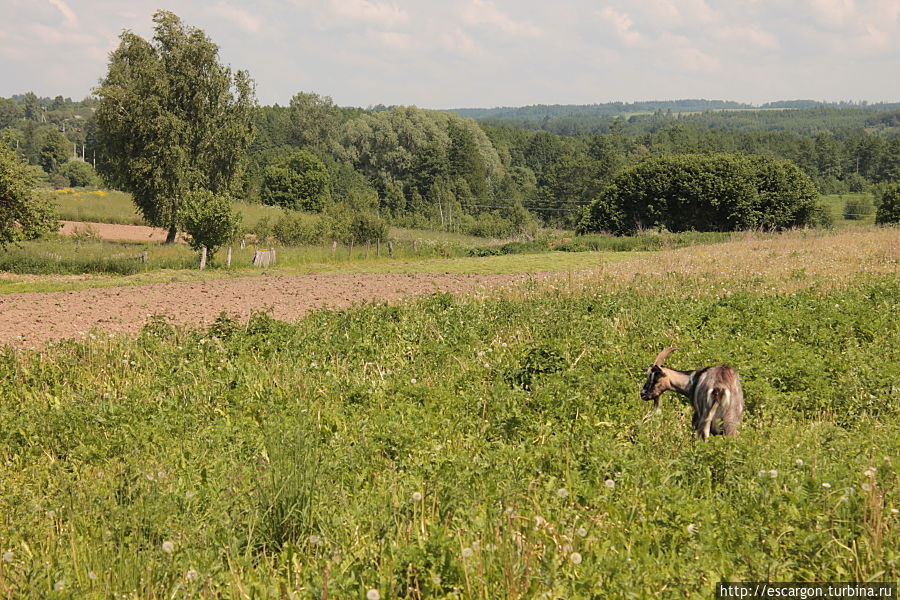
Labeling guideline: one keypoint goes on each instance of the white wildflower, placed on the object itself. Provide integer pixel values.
(826, 485)
(691, 529)
(562, 493)
(373, 595)
(192, 574)
(581, 531)
(609, 483)
(8, 556)
(59, 586)
(466, 552)
(799, 462)
(867, 487)
(168, 547)
(417, 496)
(773, 473)
(576, 558)
(413, 380)
(92, 576)
(870, 472)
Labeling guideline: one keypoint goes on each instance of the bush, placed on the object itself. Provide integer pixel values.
(80, 173)
(24, 214)
(721, 192)
(889, 206)
(299, 182)
(295, 229)
(209, 219)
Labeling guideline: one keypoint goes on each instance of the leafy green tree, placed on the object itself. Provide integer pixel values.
(32, 107)
(55, 150)
(314, 120)
(209, 219)
(889, 206)
(24, 214)
(80, 173)
(299, 182)
(172, 119)
(9, 112)
(704, 193)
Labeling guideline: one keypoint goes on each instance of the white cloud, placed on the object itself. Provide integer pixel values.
(240, 17)
(483, 12)
(694, 60)
(748, 34)
(460, 43)
(377, 13)
(831, 13)
(622, 24)
(68, 15)
(395, 40)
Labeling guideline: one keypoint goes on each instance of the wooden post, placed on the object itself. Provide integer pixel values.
(378, 248)
(243, 244)
(391, 248)
(333, 248)
(203, 258)
(273, 256)
(228, 257)
(144, 257)
(368, 245)
(350, 249)
(416, 246)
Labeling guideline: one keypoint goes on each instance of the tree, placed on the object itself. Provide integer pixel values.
(299, 182)
(171, 119)
(209, 219)
(55, 150)
(889, 207)
(79, 173)
(24, 215)
(719, 192)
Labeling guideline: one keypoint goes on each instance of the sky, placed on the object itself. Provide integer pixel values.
(485, 53)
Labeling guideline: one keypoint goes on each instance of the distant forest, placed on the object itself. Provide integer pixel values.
(492, 172)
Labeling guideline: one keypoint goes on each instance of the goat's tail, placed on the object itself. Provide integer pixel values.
(719, 396)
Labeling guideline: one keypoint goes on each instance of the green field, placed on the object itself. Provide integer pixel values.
(487, 447)
(835, 205)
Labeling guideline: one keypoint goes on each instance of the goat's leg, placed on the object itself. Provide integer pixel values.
(703, 432)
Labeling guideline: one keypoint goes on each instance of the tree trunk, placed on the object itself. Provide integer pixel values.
(170, 237)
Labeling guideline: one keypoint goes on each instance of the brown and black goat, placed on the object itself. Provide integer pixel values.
(714, 392)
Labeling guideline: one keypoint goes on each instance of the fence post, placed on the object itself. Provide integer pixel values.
(416, 246)
(144, 257)
(203, 258)
(228, 257)
(333, 248)
(391, 248)
(378, 248)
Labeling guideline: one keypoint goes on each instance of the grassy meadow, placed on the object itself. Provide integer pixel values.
(489, 446)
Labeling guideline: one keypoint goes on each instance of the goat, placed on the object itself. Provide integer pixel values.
(714, 392)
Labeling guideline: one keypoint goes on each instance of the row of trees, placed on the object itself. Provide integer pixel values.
(171, 124)
(704, 193)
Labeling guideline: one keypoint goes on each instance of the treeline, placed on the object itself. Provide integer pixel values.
(437, 169)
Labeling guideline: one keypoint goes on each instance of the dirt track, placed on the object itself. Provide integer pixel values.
(29, 320)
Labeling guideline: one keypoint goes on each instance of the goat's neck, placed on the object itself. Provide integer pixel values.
(680, 381)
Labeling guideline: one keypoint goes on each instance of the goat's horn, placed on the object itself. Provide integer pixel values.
(663, 355)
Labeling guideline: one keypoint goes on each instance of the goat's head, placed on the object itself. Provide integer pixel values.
(657, 381)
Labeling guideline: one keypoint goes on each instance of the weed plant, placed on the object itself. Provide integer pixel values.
(489, 447)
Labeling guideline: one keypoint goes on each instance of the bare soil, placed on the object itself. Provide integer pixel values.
(32, 319)
(111, 231)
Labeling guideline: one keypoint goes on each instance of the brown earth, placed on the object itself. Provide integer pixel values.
(111, 231)
(31, 319)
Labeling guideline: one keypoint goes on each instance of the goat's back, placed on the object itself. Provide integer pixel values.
(723, 383)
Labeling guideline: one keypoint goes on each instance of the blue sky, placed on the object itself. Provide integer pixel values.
(485, 53)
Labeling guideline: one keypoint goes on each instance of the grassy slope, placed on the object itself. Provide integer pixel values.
(480, 448)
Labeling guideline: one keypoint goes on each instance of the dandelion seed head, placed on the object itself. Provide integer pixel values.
(59, 586)
(373, 594)
(92, 576)
(8, 556)
(867, 487)
(799, 462)
(168, 547)
(609, 483)
(870, 472)
(467, 553)
(773, 473)
(562, 493)
(314, 539)
(192, 574)
(581, 531)
(575, 557)
(413, 380)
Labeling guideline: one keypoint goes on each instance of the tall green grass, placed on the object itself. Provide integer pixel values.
(479, 448)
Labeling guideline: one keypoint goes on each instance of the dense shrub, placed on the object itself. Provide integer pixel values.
(704, 193)
(80, 173)
(889, 206)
